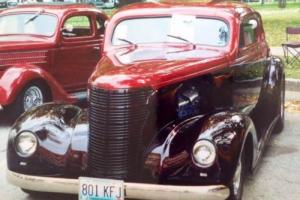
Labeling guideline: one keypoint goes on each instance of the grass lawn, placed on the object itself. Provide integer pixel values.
(292, 71)
(109, 12)
(276, 20)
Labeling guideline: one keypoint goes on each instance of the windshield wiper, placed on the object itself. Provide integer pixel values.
(125, 40)
(34, 17)
(182, 39)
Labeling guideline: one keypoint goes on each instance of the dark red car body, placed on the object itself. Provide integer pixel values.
(150, 105)
(62, 64)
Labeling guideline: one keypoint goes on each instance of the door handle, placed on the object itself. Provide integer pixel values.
(97, 48)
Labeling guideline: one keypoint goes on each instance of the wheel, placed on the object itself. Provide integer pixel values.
(281, 100)
(236, 185)
(32, 95)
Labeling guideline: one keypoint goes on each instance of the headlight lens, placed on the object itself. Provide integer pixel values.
(26, 144)
(204, 153)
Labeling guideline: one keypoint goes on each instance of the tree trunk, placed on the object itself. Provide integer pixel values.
(282, 3)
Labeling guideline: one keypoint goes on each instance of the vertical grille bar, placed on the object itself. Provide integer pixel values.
(117, 119)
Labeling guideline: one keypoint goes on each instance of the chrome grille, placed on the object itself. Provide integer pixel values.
(117, 119)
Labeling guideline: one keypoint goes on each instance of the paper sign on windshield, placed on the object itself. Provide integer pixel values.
(183, 26)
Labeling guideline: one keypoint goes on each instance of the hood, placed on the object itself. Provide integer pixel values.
(16, 50)
(20, 43)
(155, 67)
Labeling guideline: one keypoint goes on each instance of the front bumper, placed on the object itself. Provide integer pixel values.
(133, 190)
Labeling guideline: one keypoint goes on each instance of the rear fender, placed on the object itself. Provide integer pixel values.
(14, 79)
(273, 76)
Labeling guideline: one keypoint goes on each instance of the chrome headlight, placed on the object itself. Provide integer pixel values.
(204, 153)
(26, 144)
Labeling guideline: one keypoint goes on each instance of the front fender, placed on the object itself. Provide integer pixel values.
(173, 146)
(14, 79)
(62, 134)
(229, 131)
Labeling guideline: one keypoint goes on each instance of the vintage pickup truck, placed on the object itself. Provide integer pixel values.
(47, 53)
(181, 106)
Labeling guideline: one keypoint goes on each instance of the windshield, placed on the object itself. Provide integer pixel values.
(178, 28)
(33, 23)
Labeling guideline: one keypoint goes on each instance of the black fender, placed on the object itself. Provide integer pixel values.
(173, 145)
(62, 134)
(229, 131)
(270, 93)
(276, 71)
(278, 79)
(272, 78)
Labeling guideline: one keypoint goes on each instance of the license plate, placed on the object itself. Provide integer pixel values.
(100, 189)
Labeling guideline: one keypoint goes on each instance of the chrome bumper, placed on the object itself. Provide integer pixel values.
(133, 190)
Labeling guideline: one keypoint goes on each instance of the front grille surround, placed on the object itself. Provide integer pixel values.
(117, 121)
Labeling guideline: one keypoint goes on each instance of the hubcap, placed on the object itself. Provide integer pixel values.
(237, 179)
(33, 96)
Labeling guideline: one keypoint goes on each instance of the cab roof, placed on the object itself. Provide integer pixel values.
(58, 9)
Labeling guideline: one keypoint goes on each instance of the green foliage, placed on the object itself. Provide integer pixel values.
(292, 71)
(276, 20)
(110, 12)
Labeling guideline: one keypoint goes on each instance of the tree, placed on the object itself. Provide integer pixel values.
(282, 3)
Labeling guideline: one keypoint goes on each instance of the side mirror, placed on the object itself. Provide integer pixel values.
(253, 23)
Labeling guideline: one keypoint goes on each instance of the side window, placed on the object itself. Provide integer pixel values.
(248, 33)
(77, 26)
(100, 25)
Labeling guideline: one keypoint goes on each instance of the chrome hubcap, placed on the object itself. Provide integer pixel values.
(33, 96)
(237, 179)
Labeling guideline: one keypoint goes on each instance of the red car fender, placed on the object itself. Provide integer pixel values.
(14, 79)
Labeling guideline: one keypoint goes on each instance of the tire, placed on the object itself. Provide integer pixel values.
(236, 185)
(281, 100)
(34, 94)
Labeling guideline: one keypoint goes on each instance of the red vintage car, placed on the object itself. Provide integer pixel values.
(181, 106)
(47, 53)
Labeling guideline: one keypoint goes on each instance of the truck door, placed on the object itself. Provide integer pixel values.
(250, 67)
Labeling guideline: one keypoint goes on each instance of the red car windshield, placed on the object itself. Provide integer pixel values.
(178, 28)
(28, 24)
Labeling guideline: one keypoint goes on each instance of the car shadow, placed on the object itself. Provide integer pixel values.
(50, 196)
(5, 119)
